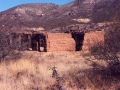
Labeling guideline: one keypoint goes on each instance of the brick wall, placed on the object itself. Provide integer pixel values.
(65, 42)
(91, 38)
(60, 42)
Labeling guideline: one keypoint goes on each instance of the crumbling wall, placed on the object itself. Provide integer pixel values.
(20, 41)
(57, 41)
(60, 42)
(92, 38)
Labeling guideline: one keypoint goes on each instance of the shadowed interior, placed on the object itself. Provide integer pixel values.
(38, 42)
(79, 38)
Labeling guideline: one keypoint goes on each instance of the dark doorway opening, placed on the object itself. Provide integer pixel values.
(79, 38)
(38, 43)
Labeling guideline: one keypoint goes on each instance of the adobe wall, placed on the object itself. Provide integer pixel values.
(91, 38)
(60, 42)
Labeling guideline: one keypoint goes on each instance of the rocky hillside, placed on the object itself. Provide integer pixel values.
(49, 16)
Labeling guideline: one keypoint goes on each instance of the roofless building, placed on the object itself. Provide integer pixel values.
(74, 38)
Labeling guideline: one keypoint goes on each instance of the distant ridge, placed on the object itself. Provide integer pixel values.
(50, 16)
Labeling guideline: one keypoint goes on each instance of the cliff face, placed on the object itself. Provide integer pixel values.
(49, 16)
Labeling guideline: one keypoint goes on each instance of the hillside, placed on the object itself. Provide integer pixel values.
(49, 16)
(85, 57)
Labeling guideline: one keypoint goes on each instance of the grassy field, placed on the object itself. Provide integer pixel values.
(33, 71)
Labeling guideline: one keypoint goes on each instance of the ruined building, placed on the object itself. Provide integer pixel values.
(71, 39)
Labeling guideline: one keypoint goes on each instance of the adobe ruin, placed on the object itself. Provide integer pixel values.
(69, 40)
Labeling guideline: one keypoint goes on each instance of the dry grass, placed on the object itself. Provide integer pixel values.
(34, 72)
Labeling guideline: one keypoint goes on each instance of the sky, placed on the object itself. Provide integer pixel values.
(6, 4)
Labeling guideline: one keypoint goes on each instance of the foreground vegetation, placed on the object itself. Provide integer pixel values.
(34, 71)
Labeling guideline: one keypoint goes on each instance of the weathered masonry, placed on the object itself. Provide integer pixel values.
(75, 39)
(44, 42)
(27, 41)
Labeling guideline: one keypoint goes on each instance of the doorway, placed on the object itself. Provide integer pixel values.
(79, 38)
(38, 42)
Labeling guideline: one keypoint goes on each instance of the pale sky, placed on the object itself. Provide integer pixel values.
(6, 4)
